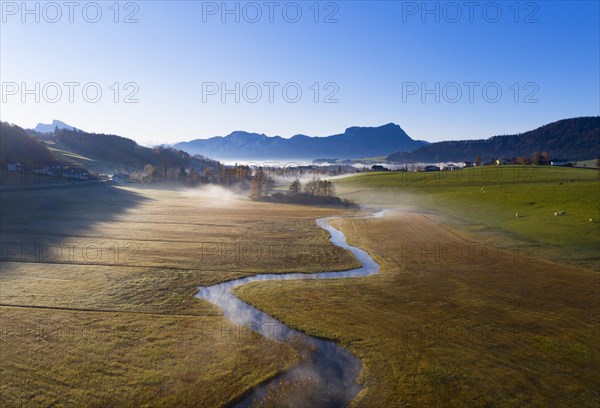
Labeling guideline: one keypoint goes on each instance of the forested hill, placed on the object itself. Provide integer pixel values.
(16, 146)
(25, 147)
(571, 139)
(119, 149)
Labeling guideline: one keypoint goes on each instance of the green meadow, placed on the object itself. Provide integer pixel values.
(488, 199)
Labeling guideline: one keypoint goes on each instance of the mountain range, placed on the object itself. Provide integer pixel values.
(355, 142)
(571, 139)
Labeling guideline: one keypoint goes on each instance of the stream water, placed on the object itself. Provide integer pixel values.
(330, 368)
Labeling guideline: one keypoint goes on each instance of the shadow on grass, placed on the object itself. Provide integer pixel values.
(27, 216)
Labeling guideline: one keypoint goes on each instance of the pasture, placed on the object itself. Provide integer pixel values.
(97, 285)
(487, 199)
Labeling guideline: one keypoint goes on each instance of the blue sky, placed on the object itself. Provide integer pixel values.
(383, 62)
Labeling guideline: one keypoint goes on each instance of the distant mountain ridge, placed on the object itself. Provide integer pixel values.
(44, 128)
(571, 139)
(355, 142)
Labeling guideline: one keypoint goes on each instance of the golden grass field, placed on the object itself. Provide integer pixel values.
(97, 288)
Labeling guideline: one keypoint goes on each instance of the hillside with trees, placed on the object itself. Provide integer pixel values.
(570, 139)
(119, 149)
(80, 151)
(16, 146)
(151, 164)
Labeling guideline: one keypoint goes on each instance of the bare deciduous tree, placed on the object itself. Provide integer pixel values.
(261, 184)
(319, 187)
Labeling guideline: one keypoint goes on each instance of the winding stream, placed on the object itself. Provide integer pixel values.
(333, 368)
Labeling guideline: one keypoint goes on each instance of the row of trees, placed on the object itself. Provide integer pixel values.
(262, 183)
(204, 172)
(315, 187)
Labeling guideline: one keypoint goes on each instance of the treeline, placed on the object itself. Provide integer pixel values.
(571, 139)
(16, 146)
(201, 171)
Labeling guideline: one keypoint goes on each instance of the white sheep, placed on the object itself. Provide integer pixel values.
(517, 215)
(591, 221)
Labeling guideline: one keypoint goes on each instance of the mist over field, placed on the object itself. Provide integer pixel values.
(212, 195)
